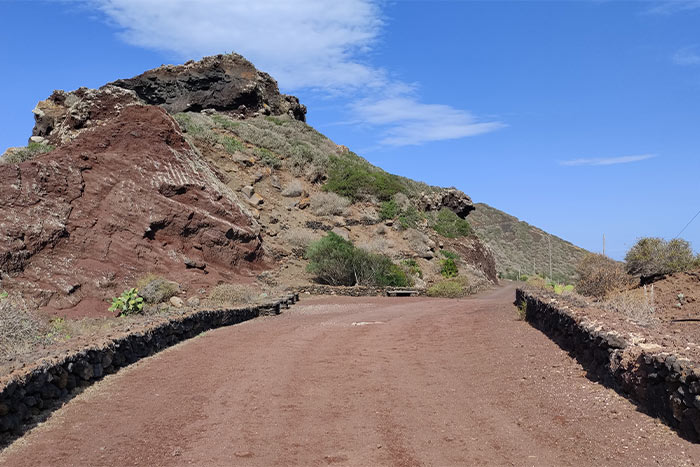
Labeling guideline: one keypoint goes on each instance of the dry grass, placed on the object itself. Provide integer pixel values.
(636, 306)
(232, 294)
(329, 204)
(293, 189)
(299, 239)
(20, 329)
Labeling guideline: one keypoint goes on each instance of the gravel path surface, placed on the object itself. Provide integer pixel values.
(361, 382)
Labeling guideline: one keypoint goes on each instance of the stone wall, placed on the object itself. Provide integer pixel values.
(355, 291)
(663, 385)
(37, 390)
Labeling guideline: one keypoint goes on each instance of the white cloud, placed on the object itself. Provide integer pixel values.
(407, 121)
(669, 7)
(304, 44)
(687, 56)
(607, 161)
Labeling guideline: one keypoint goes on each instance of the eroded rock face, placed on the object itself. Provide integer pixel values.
(125, 197)
(221, 82)
(451, 198)
(61, 117)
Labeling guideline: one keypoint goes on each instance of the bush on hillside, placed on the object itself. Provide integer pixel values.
(448, 268)
(450, 288)
(450, 225)
(389, 210)
(27, 153)
(652, 256)
(336, 261)
(600, 275)
(356, 179)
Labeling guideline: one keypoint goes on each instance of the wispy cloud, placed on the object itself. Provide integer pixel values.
(687, 56)
(669, 7)
(406, 121)
(304, 44)
(607, 161)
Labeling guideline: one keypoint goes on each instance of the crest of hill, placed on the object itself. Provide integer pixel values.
(519, 246)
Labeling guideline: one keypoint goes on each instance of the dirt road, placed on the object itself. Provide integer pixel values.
(361, 382)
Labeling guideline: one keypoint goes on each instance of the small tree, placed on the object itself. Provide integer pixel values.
(337, 261)
(652, 256)
(600, 275)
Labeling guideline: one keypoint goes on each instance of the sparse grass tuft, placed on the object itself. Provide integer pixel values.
(232, 294)
(329, 204)
(19, 328)
(268, 158)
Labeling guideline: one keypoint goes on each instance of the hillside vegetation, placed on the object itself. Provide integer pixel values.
(518, 245)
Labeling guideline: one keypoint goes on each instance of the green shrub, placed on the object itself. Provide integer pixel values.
(450, 225)
(4, 295)
(448, 268)
(268, 158)
(412, 267)
(128, 303)
(27, 153)
(450, 255)
(410, 218)
(599, 276)
(337, 261)
(450, 288)
(356, 179)
(389, 210)
(652, 256)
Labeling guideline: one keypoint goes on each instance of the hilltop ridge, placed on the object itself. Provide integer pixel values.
(205, 173)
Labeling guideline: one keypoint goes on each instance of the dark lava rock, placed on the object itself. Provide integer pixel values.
(451, 198)
(220, 82)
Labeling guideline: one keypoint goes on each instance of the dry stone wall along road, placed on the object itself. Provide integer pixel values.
(360, 382)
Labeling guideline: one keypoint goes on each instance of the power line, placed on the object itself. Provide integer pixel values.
(686, 225)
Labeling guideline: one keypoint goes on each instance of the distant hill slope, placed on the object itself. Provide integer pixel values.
(518, 245)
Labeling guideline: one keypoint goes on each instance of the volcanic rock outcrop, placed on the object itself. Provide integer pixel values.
(220, 82)
(451, 198)
(126, 197)
(223, 82)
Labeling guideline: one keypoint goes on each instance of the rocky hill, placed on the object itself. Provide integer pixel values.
(203, 174)
(519, 246)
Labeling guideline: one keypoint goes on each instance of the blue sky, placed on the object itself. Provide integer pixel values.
(580, 117)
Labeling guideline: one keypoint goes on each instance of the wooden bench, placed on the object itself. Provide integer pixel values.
(401, 292)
